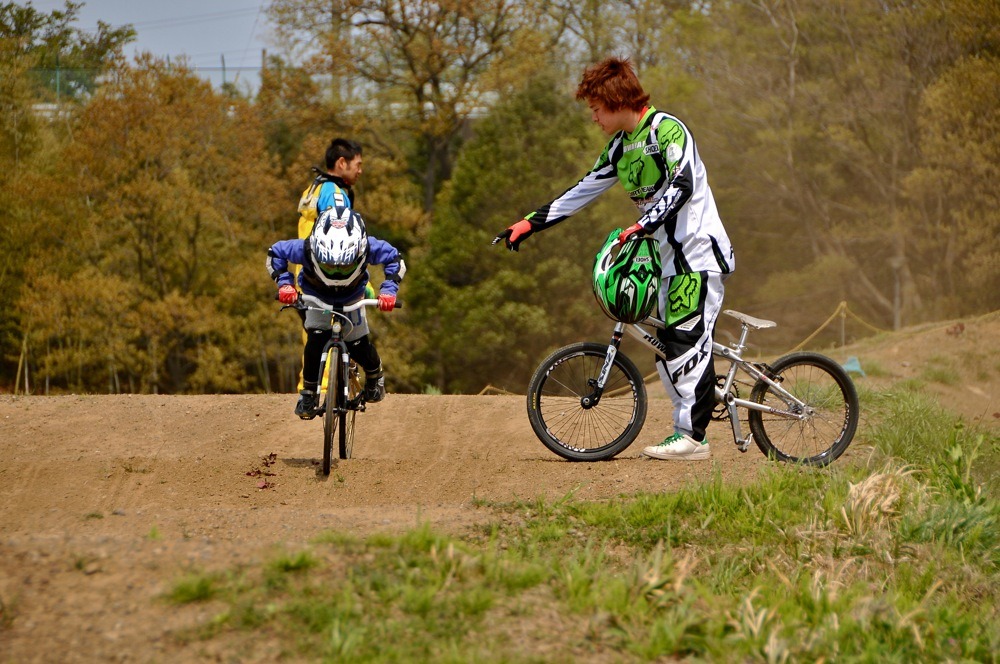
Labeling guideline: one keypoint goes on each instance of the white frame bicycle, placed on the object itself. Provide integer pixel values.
(587, 401)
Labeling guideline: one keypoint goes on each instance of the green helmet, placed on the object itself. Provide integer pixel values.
(626, 284)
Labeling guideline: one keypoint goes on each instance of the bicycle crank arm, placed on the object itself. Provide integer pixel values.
(734, 419)
(734, 422)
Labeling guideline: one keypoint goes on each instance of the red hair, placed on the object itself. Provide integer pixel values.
(613, 83)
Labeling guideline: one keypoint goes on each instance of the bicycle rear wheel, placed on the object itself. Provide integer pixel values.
(346, 438)
(579, 432)
(331, 417)
(818, 432)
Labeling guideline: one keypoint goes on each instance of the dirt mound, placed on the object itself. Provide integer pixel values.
(955, 361)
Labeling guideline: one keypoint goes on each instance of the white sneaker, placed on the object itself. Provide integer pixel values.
(681, 447)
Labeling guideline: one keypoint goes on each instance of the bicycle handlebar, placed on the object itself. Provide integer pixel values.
(306, 302)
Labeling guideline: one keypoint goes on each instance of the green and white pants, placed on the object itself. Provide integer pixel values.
(690, 305)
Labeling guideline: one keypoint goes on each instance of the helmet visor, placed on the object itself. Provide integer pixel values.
(338, 271)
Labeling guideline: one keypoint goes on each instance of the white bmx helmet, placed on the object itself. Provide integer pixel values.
(338, 247)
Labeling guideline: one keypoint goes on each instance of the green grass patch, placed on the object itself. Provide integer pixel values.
(905, 423)
(942, 375)
(8, 611)
(194, 588)
(874, 369)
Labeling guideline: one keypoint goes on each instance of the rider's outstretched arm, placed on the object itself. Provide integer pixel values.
(600, 178)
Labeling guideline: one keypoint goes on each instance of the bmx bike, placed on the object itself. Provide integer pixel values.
(344, 397)
(587, 401)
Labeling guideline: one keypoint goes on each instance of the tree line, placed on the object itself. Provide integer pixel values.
(852, 146)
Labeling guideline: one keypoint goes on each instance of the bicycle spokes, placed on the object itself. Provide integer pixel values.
(573, 415)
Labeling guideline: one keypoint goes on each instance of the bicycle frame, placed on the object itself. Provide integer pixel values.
(343, 378)
(796, 409)
(336, 341)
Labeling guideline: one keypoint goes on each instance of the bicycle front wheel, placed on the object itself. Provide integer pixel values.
(346, 446)
(566, 423)
(331, 417)
(817, 425)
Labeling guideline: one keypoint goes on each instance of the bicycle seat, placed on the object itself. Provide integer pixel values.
(750, 321)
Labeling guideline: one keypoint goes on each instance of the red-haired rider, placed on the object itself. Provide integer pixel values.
(654, 157)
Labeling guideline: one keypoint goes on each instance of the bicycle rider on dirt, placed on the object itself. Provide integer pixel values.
(335, 259)
(654, 156)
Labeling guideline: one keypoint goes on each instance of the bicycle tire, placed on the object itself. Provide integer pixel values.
(560, 420)
(330, 417)
(831, 398)
(346, 437)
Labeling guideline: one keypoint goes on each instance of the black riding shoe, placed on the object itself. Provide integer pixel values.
(307, 405)
(374, 387)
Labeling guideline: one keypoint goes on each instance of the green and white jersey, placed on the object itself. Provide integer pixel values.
(659, 166)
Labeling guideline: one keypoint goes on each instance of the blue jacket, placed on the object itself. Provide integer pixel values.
(380, 252)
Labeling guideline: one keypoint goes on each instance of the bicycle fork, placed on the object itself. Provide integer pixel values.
(590, 400)
(336, 374)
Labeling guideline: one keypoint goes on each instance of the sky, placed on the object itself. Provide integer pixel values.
(206, 31)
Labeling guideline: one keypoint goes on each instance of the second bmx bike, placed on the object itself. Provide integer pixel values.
(344, 397)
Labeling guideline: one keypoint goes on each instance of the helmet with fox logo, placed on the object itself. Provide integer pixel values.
(338, 247)
(626, 281)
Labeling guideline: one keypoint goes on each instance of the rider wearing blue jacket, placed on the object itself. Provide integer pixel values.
(334, 259)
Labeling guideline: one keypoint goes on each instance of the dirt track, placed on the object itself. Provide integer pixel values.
(105, 501)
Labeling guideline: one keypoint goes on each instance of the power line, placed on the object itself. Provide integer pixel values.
(253, 29)
(179, 21)
(187, 67)
(165, 30)
(191, 19)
